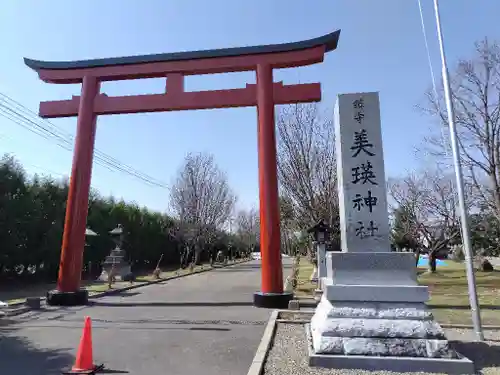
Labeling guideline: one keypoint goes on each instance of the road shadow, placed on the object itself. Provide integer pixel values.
(234, 270)
(209, 329)
(163, 322)
(238, 266)
(123, 293)
(481, 353)
(170, 304)
(123, 328)
(19, 356)
(249, 268)
(38, 314)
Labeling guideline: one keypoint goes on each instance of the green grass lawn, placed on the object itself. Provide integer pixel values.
(305, 288)
(19, 294)
(449, 294)
(448, 291)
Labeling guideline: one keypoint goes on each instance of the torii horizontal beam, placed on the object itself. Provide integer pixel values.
(180, 100)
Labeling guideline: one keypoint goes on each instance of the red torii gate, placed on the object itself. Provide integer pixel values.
(174, 66)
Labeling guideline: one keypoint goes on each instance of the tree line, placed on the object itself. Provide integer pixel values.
(32, 212)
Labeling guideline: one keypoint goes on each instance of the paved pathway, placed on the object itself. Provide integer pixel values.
(199, 324)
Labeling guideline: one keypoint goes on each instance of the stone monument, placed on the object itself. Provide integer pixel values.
(116, 258)
(372, 314)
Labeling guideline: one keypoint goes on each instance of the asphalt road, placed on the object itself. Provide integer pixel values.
(203, 323)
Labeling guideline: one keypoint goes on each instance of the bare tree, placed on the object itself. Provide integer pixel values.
(202, 199)
(306, 164)
(248, 227)
(430, 210)
(186, 236)
(201, 193)
(475, 94)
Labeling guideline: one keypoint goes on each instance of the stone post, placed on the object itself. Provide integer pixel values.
(321, 258)
(320, 233)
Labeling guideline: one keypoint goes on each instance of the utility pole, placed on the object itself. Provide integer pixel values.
(476, 315)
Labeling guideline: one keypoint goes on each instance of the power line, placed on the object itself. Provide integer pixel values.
(429, 60)
(27, 119)
(65, 140)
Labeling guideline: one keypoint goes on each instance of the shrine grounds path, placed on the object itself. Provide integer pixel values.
(198, 324)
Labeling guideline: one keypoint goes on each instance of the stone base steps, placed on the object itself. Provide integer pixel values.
(374, 310)
(456, 364)
(377, 328)
(386, 347)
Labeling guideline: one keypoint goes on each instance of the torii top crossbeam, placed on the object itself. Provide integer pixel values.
(285, 55)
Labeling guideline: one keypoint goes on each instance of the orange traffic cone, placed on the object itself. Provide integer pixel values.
(84, 363)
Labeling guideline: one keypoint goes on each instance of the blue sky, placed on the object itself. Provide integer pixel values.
(381, 49)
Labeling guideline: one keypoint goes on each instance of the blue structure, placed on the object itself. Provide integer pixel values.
(423, 261)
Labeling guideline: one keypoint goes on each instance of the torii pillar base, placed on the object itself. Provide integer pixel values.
(58, 298)
(272, 300)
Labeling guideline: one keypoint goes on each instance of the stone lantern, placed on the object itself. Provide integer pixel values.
(89, 233)
(320, 231)
(116, 258)
(118, 236)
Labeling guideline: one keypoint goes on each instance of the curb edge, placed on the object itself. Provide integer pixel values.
(259, 359)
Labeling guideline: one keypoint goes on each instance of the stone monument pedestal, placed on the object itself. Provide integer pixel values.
(376, 277)
(373, 316)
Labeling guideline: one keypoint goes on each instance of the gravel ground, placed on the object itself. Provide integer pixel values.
(288, 355)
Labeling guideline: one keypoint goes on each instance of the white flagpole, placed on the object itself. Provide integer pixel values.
(476, 315)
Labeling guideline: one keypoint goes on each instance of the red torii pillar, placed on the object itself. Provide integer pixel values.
(270, 238)
(265, 94)
(70, 266)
